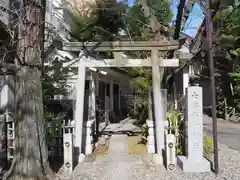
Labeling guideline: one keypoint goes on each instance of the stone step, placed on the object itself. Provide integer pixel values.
(118, 151)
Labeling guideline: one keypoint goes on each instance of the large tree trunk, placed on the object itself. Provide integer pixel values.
(31, 157)
(30, 153)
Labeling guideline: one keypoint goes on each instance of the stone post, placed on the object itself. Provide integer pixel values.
(158, 106)
(88, 134)
(106, 110)
(68, 152)
(150, 105)
(79, 109)
(92, 93)
(151, 137)
(119, 100)
(150, 124)
(3, 144)
(7, 99)
(194, 160)
(111, 96)
(170, 152)
(185, 79)
(53, 138)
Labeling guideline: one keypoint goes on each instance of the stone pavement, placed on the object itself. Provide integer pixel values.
(118, 165)
(118, 151)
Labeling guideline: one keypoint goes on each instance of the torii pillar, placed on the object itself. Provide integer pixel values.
(159, 114)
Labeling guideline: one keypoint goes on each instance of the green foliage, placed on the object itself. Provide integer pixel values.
(236, 87)
(228, 23)
(142, 80)
(144, 134)
(223, 107)
(232, 30)
(140, 111)
(207, 146)
(81, 27)
(141, 84)
(109, 17)
(161, 10)
(172, 116)
(236, 78)
(235, 52)
(103, 24)
(227, 27)
(54, 84)
(136, 23)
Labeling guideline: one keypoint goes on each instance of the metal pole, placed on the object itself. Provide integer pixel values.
(212, 77)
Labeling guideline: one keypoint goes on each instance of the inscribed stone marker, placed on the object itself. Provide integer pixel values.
(194, 160)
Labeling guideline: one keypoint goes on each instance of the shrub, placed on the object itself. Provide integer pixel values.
(144, 134)
(207, 146)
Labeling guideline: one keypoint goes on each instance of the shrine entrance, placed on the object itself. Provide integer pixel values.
(116, 48)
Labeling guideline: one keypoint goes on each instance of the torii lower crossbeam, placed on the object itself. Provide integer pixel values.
(127, 63)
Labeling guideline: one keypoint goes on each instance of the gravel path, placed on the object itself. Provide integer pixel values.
(136, 169)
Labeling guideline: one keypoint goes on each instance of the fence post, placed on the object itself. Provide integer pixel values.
(170, 152)
(151, 136)
(3, 144)
(68, 152)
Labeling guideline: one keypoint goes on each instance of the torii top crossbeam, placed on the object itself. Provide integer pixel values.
(162, 45)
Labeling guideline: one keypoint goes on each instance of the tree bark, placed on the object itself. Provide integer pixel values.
(31, 157)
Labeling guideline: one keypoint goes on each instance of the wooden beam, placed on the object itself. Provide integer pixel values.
(163, 45)
(127, 63)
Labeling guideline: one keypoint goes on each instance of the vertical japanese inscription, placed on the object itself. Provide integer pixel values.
(194, 121)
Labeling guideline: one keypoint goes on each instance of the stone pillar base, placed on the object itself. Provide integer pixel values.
(81, 158)
(151, 138)
(192, 165)
(158, 159)
(88, 139)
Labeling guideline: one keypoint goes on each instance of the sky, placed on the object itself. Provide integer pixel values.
(130, 2)
(174, 7)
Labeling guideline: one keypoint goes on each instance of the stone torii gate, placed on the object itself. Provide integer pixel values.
(121, 46)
